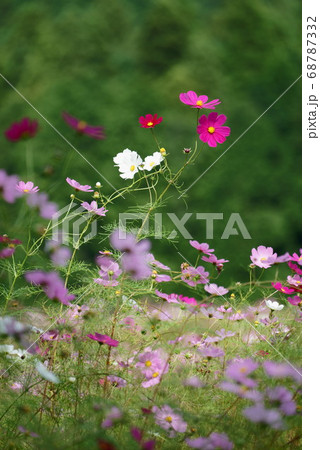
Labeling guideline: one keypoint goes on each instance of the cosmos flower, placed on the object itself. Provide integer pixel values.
(83, 128)
(214, 289)
(134, 259)
(194, 382)
(263, 257)
(169, 420)
(259, 414)
(8, 187)
(24, 129)
(115, 381)
(9, 246)
(46, 209)
(282, 370)
(52, 285)
(283, 258)
(297, 258)
(103, 339)
(153, 262)
(282, 398)
(194, 275)
(128, 163)
(113, 415)
(93, 208)
(211, 129)
(284, 289)
(149, 121)
(239, 371)
(296, 300)
(152, 161)
(275, 306)
(59, 254)
(202, 248)
(195, 101)
(170, 298)
(27, 188)
(152, 364)
(213, 442)
(211, 352)
(77, 186)
(215, 261)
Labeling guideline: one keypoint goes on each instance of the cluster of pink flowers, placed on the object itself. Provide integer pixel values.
(9, 246)
(109, 271)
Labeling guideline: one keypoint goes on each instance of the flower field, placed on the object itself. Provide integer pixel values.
(119, 350)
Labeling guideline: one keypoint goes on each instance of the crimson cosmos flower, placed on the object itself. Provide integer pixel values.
(149, 120)
(24, 129)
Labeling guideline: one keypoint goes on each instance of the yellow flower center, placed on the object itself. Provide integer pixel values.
(162, 151)
(169, 419)
(263, 259)
(243, 370)
(152, 164)
(148, 363)
(150, 124)
(199, 103)
(132, 168)
(26, 190)
(155, 374)
(81, 125)
(211, 130)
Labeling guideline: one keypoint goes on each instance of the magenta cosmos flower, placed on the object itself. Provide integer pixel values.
(27, 188)
(194, 275)
(203, 248)
(93, 208)
(263, 257)
(83, 128)
(284, 289)
(24, 129)
(103, 339)
(195, 101)
(77, 186)
(149, 120)
(211, 130)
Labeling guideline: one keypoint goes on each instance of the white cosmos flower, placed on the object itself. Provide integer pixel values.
(151, 161)
(128, 163)
(45, 373)
(274, 305)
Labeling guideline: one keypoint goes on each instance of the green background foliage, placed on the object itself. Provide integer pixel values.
(108, 62)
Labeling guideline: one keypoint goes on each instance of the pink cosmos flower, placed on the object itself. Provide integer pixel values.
(27, 188)
(203, 248)
(297, 258)
(214, 441)
(152, 364)
(295, 268)
(24, 129)
(113, 415)
(296, 300)
(263, 257)
(8, 187)
(284, 289)
(194, 382)
(103, 339)
(52, 285)
(115, 381)
(195, 101)
(79, 187)
(239, 370)
(93, 208)
(214, 289)
(210, 351)
(283, 258)
(153, 262)
(211, 313)
(170, 298)
(282, 370)
(162, 278)
(259, 414)
(194, 275)
(149, 120)
(188, 300)
(295, 281)
(211, 130)
(215, 261)
(46, 209)
(83, 128)
(169, 420)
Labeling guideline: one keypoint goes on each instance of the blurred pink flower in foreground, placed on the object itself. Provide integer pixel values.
(83, 128)
(200, 102)
(103, 339)
(24, 129)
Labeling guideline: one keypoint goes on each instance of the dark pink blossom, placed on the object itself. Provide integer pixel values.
(24, 129)
(83, 128)
(211, 129)
(296, 300)
(103, 339)
(149, 121)
(284, 289)
(9, 246)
